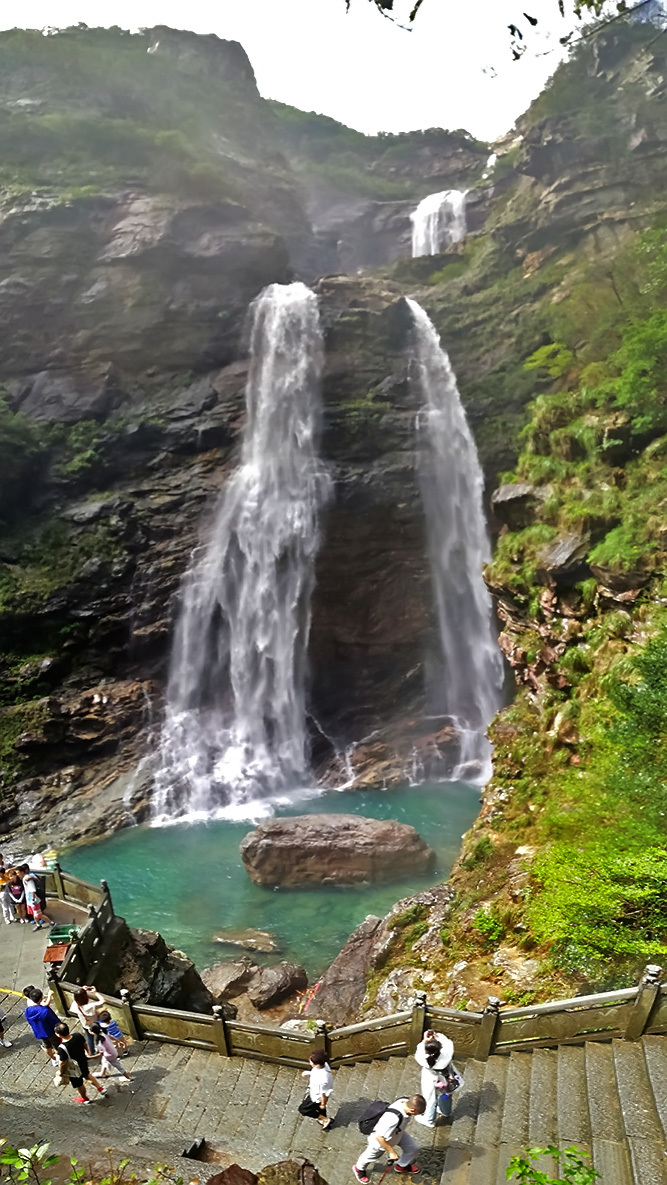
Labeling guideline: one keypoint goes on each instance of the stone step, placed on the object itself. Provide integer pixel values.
(655, 1053)
(515, 1112)
(610, 1154)
(640, 1116)
(486, 1139)
(490, 1108)
(572, 1118)
(542, 1131)
(516, 1109)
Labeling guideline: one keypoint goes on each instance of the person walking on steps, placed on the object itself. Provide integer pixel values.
(73, 1056)
(111, 1028)
(87, 1005)
(319, 1088)
(434, 1054)
(42, 1020)
(3, 1040)
(389, 1132)
(109, 1053)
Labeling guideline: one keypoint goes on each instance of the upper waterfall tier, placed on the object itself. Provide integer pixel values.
(234, 728)
(452, 484)
(438, 222)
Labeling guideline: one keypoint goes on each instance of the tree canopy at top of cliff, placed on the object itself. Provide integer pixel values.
(581, 9)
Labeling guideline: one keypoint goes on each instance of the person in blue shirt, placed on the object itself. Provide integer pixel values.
(42, 1020)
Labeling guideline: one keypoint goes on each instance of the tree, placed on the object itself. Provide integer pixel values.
(644, 9)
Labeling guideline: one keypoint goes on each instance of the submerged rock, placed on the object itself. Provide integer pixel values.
(257, 940)
(333, 850)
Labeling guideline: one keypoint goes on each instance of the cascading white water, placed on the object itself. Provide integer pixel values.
(235, 724)
(452, 485)
(438, 222)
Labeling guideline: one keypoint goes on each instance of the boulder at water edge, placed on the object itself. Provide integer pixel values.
(333, 850)
(273, 984)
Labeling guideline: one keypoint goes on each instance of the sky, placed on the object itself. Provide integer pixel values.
(454, 70)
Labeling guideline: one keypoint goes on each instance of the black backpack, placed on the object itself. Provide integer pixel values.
(370, 1115)
(40, 884)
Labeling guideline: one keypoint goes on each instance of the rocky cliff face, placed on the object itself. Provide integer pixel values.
(148, 195)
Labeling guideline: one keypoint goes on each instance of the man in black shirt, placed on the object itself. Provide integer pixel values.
(73, 1048)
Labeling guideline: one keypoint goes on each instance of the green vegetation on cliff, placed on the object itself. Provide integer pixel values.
(596, 440)
(580, 756)
(84, 109)
(385, 166)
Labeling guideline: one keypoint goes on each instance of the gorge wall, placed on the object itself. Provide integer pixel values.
(148, 194)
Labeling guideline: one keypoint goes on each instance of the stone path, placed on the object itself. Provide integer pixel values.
(22, 950)
(608, 1098)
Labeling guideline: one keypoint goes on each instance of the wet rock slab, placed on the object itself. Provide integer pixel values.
(260, 941)
(333, 850)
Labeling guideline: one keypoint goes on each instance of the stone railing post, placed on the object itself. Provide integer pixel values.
(107, 893)
(58, 881)
(129, 1019)
(219, 1031)
(92, 914)
(322, 1036)
(81, 958)
(58, 994)
(487, 1029)
(418, 1022)
(640, 1013)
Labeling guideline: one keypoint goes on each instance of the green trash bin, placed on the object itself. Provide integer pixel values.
(61, 933)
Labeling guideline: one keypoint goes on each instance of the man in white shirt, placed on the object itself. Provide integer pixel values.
(389, 1131)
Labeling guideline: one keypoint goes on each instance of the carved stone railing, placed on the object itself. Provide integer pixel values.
(627, 1013)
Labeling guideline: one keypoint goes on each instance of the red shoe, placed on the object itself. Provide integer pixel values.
(360, 1175)
(407, 1168)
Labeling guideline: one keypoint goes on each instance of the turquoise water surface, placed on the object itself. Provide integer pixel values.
(188, 882)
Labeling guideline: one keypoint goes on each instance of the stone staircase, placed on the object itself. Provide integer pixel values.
(608, 1098)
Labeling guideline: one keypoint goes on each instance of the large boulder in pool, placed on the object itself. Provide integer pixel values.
(334, 850)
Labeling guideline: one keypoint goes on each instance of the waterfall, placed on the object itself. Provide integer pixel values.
(438, 222)
(235, 722)
(452, 485)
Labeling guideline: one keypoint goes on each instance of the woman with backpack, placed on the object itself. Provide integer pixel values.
(439, 1078)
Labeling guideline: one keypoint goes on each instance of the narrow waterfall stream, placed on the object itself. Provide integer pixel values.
(438, 222)
(452, 485)
(235, 723)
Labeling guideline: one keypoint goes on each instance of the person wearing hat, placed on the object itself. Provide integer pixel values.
(434, 1054)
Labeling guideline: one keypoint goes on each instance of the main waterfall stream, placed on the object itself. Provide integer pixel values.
(235, 722)
(452, 484)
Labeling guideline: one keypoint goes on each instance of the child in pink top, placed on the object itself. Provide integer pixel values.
(107, 1049)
